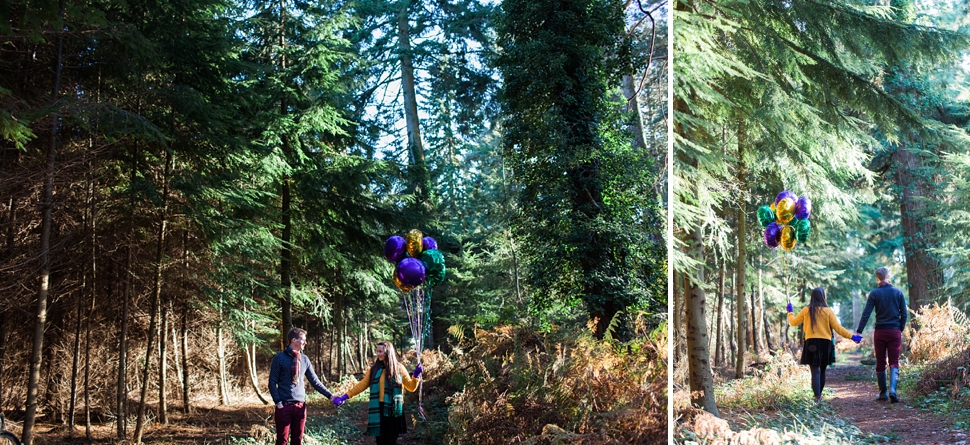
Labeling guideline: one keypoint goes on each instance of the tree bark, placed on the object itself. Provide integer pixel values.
(186, 406)
(741, 260)
(156, 299)
(251, 367)
(678, 322)
(122, 390)
(93, 243)
(701, 379)
(75, 360)
(185, 362)
(340, 330)
(286, 254)
(633, 107)
(163, 366)
(919, 232)
(755, 338)
(223, 385)
(40, 321)
(718, 341)
(418, 167)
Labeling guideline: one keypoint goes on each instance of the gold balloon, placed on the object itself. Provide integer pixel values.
(785, 211)
(400, 285)
(772, 206)
(413, 242)
(788, 237)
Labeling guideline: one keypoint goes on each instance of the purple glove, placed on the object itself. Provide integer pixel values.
(339, 400)
(417, 371)
(857, 338)
(790, 310)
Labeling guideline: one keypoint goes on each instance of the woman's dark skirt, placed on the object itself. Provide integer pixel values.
(817, 352)
(392, 426)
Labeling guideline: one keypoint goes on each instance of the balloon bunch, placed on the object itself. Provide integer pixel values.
(418, 262)
(786, 220)
(417, 258)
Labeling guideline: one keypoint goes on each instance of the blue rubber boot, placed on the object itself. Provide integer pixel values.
(881, 376)
(893, 381)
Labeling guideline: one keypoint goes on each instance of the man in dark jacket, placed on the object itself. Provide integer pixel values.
(288, 388)
(888, 337)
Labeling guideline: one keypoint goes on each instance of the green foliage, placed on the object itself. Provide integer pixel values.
(947, 403)
(581, 189)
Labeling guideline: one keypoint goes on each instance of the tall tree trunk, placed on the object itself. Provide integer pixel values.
(762, 327)
(156, 298)
(223, 384)
(251, 368)
(93, 243)
(163, 366)
(731, 335)
(185, 361)
(718, 340)
(340, 330)
(767, 328)
(678, 321)
(418, 168)
(919, 232)
(633, 107)
(186, 406)
(40, 322)
(755, 339)
(3, 350)
(699, 355)
(76, 359)
(741, 262)
(122, 390)
(286, 254)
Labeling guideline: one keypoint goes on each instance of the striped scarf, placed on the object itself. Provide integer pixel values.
(393, 405)
(295, 367)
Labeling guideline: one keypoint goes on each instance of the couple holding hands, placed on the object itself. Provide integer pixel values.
(818, 321)
(387, 379)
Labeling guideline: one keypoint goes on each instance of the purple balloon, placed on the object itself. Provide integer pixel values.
(803, 208)
(410, 271)
(785, 194)
(429, 243)
(773, 235)
(394, 249)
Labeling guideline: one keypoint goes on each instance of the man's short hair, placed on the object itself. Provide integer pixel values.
(882, 273)
(294, 333)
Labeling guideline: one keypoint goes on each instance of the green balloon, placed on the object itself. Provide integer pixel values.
(765, 216)
(803, 229)
(434, 267)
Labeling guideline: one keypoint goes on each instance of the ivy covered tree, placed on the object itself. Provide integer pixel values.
(581, 187)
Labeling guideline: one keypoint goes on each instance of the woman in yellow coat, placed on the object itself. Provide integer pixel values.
(818, 321)
(386, 378)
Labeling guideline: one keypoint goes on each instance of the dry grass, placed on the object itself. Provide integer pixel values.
(521, 385)
(942, 347)
(943, 331)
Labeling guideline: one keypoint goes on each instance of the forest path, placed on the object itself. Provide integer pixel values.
(855, 390)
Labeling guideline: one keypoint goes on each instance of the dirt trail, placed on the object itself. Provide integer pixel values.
(855, 390)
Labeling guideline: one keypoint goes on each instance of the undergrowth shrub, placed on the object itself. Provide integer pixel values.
(942, 332)
(941, 350)
(526, 386)
(776, 386)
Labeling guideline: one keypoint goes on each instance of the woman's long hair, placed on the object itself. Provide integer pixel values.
(817, 303)
(391, 364)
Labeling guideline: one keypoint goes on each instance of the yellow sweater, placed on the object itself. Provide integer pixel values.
(404, 377)
(825, 322)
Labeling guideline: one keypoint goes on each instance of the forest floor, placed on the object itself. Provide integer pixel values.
(853, 394)
(244, 422)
